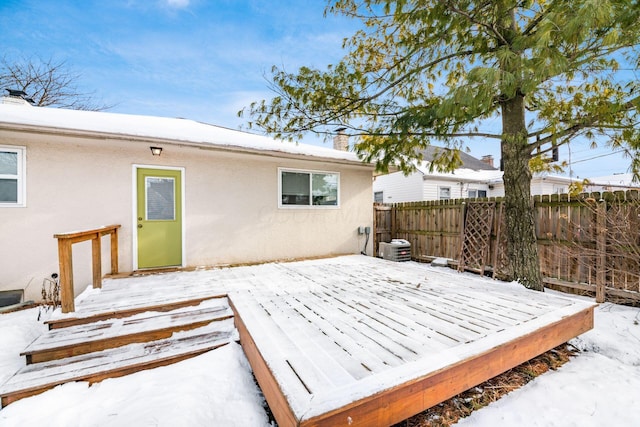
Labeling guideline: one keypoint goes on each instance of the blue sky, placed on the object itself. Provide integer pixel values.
(198, 59)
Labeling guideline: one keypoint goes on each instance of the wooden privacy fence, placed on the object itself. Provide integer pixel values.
(65, 243)
(589, 242)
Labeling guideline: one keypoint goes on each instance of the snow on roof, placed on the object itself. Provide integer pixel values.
(177, 130)
(618, 179)
(462, 174)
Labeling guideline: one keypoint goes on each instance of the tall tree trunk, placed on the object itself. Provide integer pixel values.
(522, 248)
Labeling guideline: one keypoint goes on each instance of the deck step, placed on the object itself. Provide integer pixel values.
(149, 326)
(94, 367)
(117, 314)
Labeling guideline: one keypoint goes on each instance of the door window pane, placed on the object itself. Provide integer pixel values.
(160, 198)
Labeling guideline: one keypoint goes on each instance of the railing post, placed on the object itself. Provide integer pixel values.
(66, 276)
(65, 242)
(96, 260)
(114, 251)
(601, 250)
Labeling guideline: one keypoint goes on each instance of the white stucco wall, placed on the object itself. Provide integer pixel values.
(231, 207)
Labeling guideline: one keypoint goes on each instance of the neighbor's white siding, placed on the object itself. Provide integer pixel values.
(431, 189)
(397, 187)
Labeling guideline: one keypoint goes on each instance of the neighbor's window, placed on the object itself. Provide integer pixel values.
(378, 197)
(444, 193)
(12, 179)
(302, 188)
(473, 194)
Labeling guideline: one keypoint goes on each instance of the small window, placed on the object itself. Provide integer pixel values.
(378, 197)
(473, 194)
(12, 176)
(444, 193)
(301, 188)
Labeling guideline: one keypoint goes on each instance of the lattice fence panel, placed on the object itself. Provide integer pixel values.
(477, 236)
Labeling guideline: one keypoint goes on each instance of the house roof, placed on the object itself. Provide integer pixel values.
(468, 161)
(158, 129)
(615, 180)
(461, 174)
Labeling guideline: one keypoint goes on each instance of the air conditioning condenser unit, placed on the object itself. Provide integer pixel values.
(396, 250)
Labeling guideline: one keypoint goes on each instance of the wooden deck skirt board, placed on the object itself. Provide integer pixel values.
(348, 347)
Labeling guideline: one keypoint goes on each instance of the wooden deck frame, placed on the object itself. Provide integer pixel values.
(292, 375)
(405, 400)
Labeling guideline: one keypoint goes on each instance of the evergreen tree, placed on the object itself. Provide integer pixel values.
(435, 70)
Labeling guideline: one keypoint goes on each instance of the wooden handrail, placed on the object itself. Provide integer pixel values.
(65, 241)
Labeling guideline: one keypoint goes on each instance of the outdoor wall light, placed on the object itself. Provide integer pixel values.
(156, 151)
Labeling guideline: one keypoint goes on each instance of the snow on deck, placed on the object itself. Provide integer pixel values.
(342, 340)
(341, 330)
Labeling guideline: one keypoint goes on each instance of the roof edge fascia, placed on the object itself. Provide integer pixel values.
(77, 133)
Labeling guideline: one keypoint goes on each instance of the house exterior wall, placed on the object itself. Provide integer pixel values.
(539, 186)
(458, 189)
(231, 209)
(398, 188)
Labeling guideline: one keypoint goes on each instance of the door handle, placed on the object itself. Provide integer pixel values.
(139, 225)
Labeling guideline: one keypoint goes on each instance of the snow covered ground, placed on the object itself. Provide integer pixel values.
(599, 387)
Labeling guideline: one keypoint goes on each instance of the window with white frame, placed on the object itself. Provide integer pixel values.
(444, 193)
(378, 197)
(308, 188)
(12, 176)
(473, 194)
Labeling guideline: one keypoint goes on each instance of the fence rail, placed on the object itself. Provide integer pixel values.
(591, 240)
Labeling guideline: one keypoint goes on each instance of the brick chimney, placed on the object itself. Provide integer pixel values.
(488, 159)
(341, 140)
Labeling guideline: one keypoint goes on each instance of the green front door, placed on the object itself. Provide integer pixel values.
(159, 218)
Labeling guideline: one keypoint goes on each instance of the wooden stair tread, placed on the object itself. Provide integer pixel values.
(80, 319)
(149, 326)
(115, 362)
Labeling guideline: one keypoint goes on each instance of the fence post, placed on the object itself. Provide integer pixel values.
(601, 250)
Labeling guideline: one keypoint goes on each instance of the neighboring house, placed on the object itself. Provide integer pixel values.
(615, 182)
(541, 184)
(475, 178)
(213, 196)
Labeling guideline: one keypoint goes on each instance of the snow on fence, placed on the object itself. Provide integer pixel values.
(583, 241)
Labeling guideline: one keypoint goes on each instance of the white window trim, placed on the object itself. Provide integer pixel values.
(441, 187)
(310, 206)
(21, 176)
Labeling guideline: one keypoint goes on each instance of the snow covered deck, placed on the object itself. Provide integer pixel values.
(353, 340)
(357, 341)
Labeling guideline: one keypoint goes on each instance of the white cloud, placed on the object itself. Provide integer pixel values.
(177, 4)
